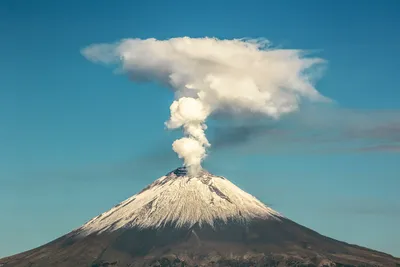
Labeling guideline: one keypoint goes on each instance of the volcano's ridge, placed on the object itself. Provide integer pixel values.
(196, 220)
(183, 200)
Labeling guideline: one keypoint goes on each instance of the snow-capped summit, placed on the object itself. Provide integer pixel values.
(200, 220)
(181, 200)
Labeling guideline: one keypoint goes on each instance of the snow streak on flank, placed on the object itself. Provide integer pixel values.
(182, 200)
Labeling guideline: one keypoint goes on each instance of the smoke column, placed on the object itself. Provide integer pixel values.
(208, 74)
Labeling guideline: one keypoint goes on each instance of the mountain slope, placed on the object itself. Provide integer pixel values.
(195, 221)
(172, 198)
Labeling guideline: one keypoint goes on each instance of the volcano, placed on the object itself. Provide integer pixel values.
(202, 220)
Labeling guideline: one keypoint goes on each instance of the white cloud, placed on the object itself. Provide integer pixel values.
(209, 74)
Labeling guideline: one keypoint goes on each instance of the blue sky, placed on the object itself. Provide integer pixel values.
(74, 140)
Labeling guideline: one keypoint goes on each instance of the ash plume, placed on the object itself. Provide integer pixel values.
(209, 75)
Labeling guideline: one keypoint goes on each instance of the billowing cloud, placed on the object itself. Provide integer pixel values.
(209, 75)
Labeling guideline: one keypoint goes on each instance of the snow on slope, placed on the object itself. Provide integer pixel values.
(183, 201)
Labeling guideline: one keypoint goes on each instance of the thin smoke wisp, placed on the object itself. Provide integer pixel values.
(209, 75)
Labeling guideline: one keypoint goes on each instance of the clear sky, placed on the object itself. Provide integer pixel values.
(75, 140)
